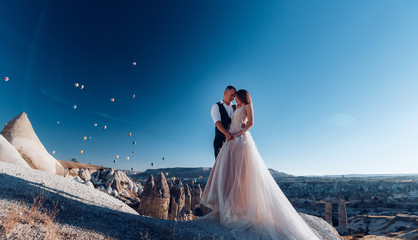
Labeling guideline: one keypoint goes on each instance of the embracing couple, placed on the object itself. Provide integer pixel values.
(240, 190)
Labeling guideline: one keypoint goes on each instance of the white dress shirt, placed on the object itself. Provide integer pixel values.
(216, 115)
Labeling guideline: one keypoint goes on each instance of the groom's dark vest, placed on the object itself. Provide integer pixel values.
(226, 122)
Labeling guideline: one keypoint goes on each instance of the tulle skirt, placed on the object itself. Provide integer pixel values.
(246, 199)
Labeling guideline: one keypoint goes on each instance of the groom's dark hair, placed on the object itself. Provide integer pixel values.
(230, 87)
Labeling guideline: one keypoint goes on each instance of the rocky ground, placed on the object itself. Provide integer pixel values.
(86, 213)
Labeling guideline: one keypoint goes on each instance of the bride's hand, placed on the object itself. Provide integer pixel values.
(238, 133)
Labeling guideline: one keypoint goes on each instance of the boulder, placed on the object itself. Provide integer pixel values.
(9, 154)
(85, 174)
(90, 184)
(20, 134)
(79, 179)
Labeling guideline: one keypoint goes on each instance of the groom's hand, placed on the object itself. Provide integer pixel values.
(228, 136)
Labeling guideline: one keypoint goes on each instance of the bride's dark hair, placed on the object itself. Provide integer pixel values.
(244, 96)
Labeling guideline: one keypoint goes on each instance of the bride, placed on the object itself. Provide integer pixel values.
(241, 191)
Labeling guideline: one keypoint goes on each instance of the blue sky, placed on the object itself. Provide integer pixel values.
(334, 83)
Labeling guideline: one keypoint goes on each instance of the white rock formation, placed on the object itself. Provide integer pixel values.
(324, 230)
(9, 154)
(20, 134)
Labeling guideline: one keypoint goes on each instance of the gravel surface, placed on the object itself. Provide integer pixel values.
(86, 213)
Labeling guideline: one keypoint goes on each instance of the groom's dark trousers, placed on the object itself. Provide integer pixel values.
(226, 122)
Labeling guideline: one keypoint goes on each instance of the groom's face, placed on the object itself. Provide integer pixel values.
(230, 94)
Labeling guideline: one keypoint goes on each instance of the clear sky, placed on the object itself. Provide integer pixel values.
(334, 83)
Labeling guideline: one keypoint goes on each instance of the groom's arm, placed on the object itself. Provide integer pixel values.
(216, 117)
(221, 128)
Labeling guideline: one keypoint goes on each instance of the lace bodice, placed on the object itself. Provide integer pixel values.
(237, 119)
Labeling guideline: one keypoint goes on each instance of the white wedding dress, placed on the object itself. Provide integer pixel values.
(244, 196)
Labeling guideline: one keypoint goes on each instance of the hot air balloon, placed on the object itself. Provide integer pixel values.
(200, 177)
(95, 124)
(117, 156)
(134, 63)
(127, 158)
(112, 99)
(129, 134)
(104, 127)
(191, 182)
(134, 143)
(152, 164)
(133, 152)
(75, 106)
(132, 168)
(163, 158)
(133, 95)
(81, 151)
(53, 152)
(114, 161)
(58, 122)
(84, 138)
(82, 86)
(173, 178)
(6, 79)
(166, 173)
(90, 137)
(76, 84)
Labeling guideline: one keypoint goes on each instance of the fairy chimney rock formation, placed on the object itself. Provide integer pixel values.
(9, 154)
(177, 202)
(188, 200)
(196, 196)
(342, 217)
(328, 210)
(19, 132)
(155, 199)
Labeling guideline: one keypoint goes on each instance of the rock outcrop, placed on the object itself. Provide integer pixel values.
(9, 154)
(155, 199)
(20, 134)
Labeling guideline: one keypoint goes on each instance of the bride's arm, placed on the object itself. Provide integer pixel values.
(250, 117)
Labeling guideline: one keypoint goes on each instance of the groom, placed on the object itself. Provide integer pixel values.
(221, 114)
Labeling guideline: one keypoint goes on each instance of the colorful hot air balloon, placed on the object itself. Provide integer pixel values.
(104, 127)
(133, 95)
(134, 63)
(6, 79)
(133, 142)
(163, 158)
(81, 151)
(58, 122)
(53, 152)
(133, 152)
(76, 84)
(200, 177)
(95, 124)
(84, 138)
(75, 106)
(117, 156)
(82, 86)
(129, 134)
(90, 137)
(166, 173)
(112, 99)
(127, 158)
